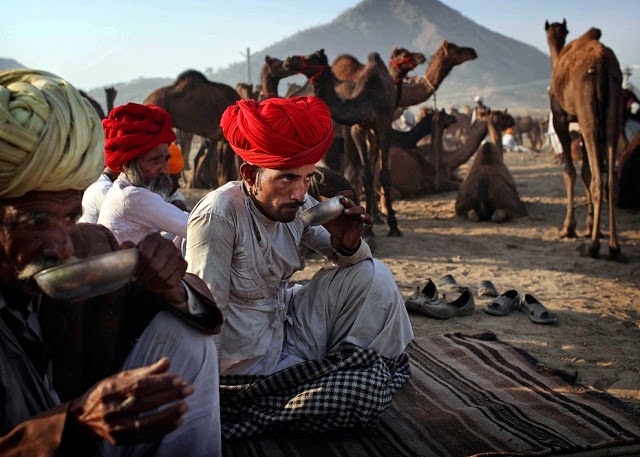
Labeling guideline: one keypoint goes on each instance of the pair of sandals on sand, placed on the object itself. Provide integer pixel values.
(429, 301)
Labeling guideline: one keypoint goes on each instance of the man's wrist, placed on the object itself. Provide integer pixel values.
(342, 250)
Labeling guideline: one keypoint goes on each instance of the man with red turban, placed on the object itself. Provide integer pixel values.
(137, 139)
(244, 240)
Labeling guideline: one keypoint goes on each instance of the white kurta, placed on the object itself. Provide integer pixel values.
(247, 259)
(132, 212)
(93, 198)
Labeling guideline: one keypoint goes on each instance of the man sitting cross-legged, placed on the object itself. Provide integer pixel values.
(244, 240)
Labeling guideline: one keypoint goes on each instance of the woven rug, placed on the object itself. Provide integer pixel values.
(473, 396)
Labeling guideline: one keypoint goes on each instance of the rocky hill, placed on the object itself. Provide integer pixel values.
(507, 73)
(5, 64)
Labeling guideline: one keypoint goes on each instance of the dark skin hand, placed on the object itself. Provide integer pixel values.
(349, 226)
(111, 408)
(161, 267)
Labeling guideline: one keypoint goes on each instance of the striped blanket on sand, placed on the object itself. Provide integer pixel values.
(472, 396)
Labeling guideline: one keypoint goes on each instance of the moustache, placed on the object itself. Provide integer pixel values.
(294, 205)
(35, 266)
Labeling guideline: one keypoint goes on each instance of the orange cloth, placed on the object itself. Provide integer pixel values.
(509, 131)
(133, 129)
(176, 161)
(279, 133)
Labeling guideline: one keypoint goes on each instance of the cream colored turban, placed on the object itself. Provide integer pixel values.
(51, 138)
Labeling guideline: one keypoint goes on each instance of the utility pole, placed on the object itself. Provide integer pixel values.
(248, 56)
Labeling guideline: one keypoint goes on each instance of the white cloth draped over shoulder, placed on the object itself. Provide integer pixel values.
(131, 212)
(246, 259)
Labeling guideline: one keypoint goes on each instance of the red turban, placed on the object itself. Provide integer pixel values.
(279, 133)
(133, 129)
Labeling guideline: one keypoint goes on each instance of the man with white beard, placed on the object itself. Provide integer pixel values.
(137, 139)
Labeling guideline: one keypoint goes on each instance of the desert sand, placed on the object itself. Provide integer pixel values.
(597, 302)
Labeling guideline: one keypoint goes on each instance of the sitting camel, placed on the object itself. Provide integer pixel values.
(628, 172)
(586, 86)
(414, 172)
(489, 192)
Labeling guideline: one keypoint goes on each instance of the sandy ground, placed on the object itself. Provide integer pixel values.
(597, 302)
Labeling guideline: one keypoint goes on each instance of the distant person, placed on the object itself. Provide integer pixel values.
(95, 194)
(479, 109)
(137, 139)
(176, 164)
(631, 110)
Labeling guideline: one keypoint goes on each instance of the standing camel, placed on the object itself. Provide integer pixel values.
(196, 106)
(586, 87)
(365, 105)
(442, 62)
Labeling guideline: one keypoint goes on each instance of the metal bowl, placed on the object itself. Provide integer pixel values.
(89, 277)
(323, 212)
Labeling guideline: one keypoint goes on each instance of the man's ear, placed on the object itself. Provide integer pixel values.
(248, 173)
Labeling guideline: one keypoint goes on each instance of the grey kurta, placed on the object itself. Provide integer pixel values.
(247, 259)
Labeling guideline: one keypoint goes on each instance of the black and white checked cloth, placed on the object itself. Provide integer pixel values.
(348, 390)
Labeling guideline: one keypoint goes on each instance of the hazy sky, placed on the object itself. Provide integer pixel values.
(94, 43)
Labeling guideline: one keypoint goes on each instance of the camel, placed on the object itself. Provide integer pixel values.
(529, 126)
(110, 95)
(366, 104)
(245, 91)
(586, 87)
(196, 106)
(413, 170)
(489, 192)
(94, 103)
(272, 73)
(442, 62)
(410, 139)
(402, 61)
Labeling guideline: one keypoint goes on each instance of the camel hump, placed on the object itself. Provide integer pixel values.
(375, 57)
(593, 33)
(347, 57)
(190, 74)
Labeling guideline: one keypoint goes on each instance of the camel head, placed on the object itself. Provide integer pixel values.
(501, 119)
(454, 54)
(405, 60)
(311, 65)
(443, 120)
(556, 34)
(274, 67)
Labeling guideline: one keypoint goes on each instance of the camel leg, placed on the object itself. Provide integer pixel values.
(614, 122)
(359, 138)
(592, 146)
(585, 174)
(561, 126)
(352, 166)
(385, 181)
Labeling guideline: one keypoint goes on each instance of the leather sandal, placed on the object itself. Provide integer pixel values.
(428, 294)
(487, 289)
(449, 284)
(461, 306)
(536, 311)
(503, 304)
